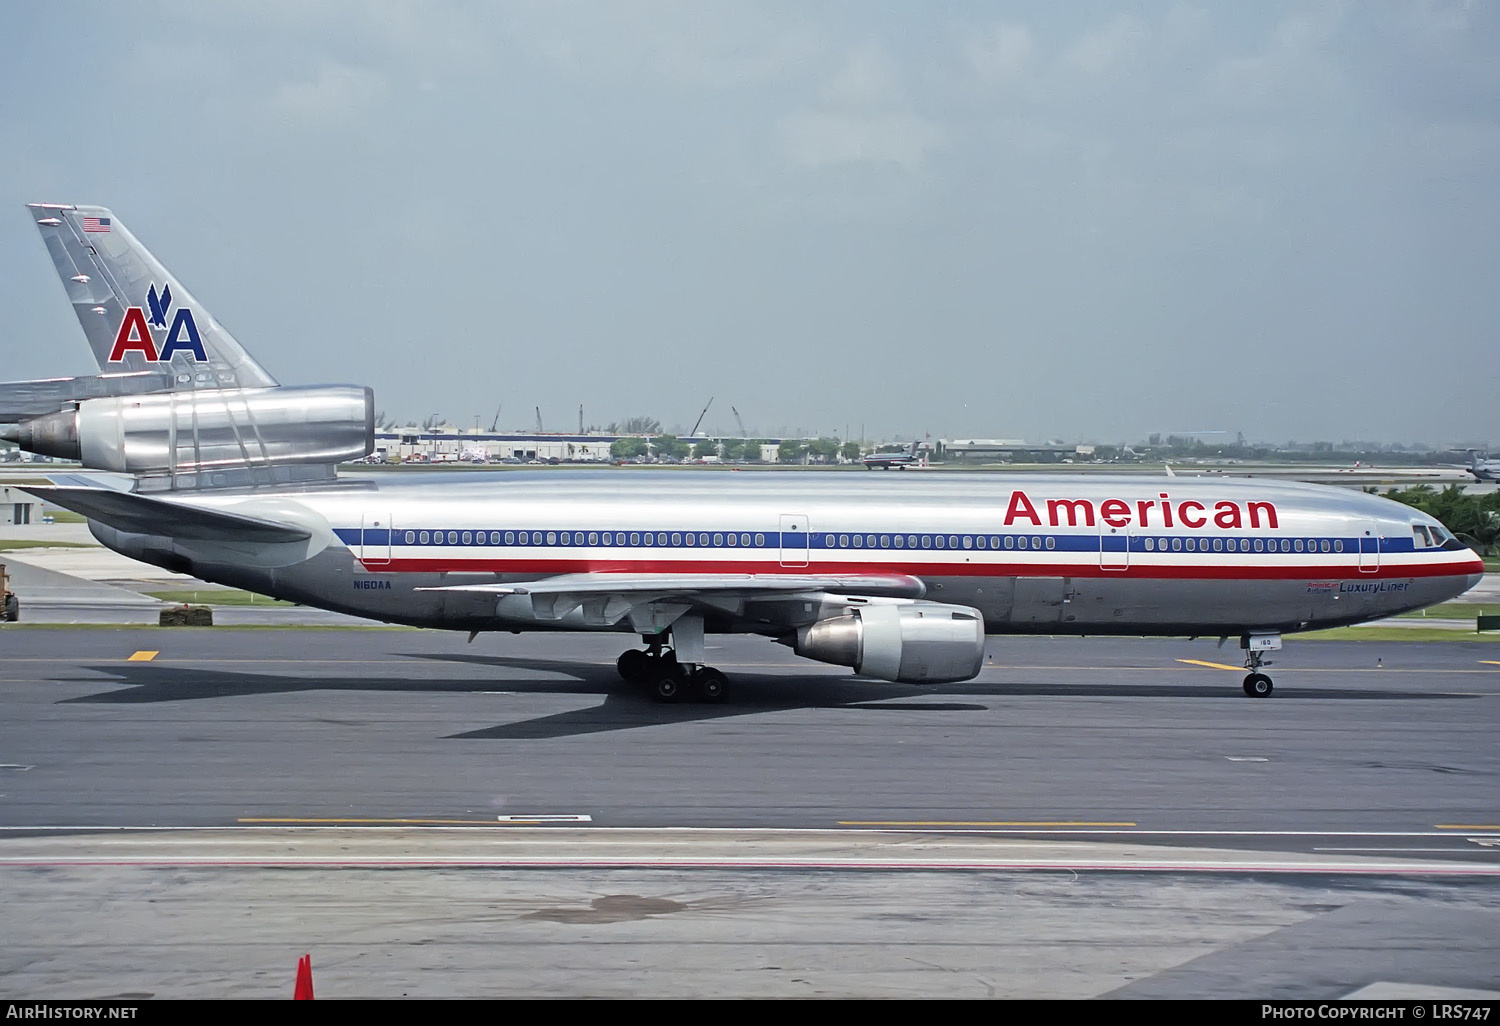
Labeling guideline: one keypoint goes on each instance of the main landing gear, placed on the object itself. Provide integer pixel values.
(1257, 684)
(671, 673)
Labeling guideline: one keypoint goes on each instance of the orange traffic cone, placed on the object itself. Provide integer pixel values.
(303, 991)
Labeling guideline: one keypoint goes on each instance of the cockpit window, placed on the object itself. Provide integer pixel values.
(1423, 541)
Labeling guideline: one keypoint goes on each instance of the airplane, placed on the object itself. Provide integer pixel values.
(1483, 469)
(896, 460)
(231, 478)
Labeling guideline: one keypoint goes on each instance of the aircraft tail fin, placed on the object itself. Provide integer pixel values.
(136, 315)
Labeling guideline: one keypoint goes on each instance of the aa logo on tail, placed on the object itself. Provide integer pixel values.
(135, 336)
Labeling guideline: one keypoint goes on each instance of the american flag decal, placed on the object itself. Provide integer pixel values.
(96, 224)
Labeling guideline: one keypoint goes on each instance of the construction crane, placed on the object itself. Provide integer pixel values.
(495, 424)
(700, 417)
(740, 422)
(539, 428)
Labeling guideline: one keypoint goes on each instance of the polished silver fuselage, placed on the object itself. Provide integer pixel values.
(1039, 553)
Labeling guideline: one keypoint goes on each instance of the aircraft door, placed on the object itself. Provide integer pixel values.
(1114, 547)
(376, 533)
(1369, 547)
(794, 539)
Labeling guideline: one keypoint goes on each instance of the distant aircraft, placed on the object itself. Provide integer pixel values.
(889, 460)
(232, 480)
(1483, 469)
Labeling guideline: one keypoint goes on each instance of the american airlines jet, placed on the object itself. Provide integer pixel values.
(225, 475)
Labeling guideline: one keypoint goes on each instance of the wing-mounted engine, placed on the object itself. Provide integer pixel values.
(907, 642)
(201, 434)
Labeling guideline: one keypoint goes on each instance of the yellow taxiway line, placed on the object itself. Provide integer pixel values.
(1211, 666)
(976, 823)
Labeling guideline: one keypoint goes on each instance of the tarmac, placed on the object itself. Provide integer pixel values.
(184, 813)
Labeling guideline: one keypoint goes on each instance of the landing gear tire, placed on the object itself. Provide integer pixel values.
(668, 687)
(634, 665)
(1258, 685)
(710, 684)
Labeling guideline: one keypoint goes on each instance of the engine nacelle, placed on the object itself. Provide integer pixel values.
(910, 642)
(210, 429)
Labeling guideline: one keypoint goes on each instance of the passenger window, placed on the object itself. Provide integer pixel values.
(732, 539)
(424, 537)
(939, 541)
(994, 541)
(1176, 544)
(1259, 545)
(494, 537)
(926, 541)
(411, 536)
(703, 538)
(858, 541)
(968, 542)
(1010, 541)
(1323, 545)
(1051, 543)
(760, 539)
(661, 537)
(1150, 545)
(688, 538)
(635, 538)
(718, 539)
(953, 541)
(900, 542)
(979, 541)
(1021, 542)
(885, 541)
(831, 541)
(468, 537)
(676, 538)
(593, 537)
(1036, 543)
(551, 537)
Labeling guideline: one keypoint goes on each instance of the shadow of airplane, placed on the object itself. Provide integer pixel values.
(627, 706)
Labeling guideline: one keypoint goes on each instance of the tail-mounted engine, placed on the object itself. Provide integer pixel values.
(209, 430)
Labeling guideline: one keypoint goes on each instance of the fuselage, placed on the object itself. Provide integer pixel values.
(1034, 553)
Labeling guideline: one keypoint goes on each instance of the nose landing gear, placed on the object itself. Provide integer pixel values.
(1257, 684)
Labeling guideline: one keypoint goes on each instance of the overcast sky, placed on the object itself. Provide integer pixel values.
(1044, 220)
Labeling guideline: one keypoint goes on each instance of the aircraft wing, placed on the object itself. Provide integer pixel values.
(139, 514)
(686, 585)
(652, 602)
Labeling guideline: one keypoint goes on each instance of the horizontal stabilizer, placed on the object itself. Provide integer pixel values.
(22, 400)
(138, 514)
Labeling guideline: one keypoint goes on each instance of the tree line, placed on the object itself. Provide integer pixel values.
(1474, 518)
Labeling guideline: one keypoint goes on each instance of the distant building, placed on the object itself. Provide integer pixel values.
(16, 507)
